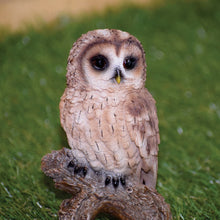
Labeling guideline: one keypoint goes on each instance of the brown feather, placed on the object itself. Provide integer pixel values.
(110, 127)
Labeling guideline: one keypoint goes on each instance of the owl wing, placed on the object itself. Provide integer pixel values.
(142, 126)
(62, 108)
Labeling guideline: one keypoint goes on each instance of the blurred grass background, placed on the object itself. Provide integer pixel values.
(182, 45)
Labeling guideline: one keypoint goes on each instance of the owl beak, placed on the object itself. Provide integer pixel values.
(118, 75)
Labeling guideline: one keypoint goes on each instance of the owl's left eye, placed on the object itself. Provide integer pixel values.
(129, 62)
(99, 62)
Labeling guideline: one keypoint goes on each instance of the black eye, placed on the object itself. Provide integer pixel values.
(129, 62)
(99, 62)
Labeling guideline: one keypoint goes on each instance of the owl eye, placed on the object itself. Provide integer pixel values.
(99, 62)
(129, 62)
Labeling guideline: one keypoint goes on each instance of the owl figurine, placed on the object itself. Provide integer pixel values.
(108, 115)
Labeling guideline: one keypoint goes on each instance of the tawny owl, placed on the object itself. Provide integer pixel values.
(107, 113)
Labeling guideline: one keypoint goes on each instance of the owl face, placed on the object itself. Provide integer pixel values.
(112, 59)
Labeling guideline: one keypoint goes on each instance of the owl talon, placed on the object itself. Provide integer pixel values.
(84, 171)
(77, 169)
(71, 164)
(115, 182)
(107, 180)
(122, 180)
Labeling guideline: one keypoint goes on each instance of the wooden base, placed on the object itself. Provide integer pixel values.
(89, 198)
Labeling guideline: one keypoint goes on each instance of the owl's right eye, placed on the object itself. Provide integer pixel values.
(99, 62)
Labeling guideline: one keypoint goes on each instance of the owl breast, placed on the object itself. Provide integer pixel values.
(96, 130)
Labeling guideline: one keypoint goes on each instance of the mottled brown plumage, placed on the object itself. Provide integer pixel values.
(108, 115)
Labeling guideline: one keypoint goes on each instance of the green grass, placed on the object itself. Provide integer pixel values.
(182, 47)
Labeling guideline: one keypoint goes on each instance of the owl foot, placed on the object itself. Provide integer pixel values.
(116, 181)
(77, 169)
(80, 168)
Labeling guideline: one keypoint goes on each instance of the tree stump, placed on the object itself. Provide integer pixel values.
(90, 199)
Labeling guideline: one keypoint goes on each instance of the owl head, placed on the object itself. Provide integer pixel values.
(106, 59)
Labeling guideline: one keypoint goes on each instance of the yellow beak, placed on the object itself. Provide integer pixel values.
(118, 78)
(118, 75)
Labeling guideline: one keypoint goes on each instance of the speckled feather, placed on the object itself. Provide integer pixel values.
(110, 128)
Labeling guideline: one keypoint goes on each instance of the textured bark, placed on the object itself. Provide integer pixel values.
(91, 198)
